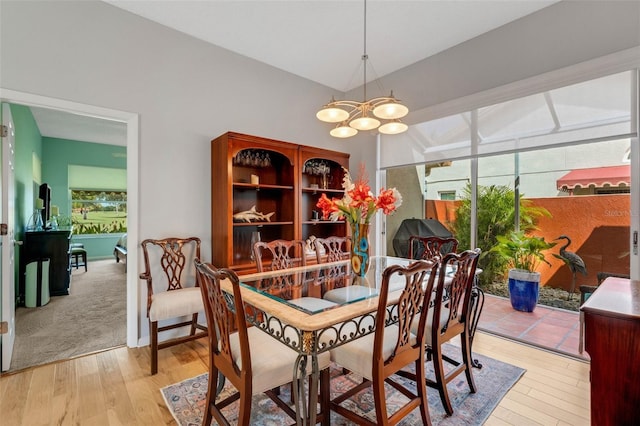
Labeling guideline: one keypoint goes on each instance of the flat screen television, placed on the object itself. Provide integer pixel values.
(45, 196)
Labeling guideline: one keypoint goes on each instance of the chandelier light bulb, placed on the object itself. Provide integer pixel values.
(390, 110)
(343, 131)
(332, 114)
(393, 128)
(364, 123)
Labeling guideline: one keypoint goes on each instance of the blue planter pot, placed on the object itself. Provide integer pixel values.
(523, 289)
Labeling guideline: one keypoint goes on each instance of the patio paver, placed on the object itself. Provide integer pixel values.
(546, 327)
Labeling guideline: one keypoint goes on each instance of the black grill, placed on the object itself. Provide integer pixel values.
(419, 227)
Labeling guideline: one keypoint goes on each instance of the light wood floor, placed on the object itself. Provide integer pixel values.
(115, 388)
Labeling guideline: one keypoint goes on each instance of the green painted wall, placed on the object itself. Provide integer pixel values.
(56, 155)
(60, 153)
(28, 142)
(98, 246)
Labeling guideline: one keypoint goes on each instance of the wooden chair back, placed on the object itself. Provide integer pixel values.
(413, 299)
(332, 249)
(167, 260)
(281, 254)
(224, 311)
(430, 247)
(451, 318)
(454, 297)
(174, 257)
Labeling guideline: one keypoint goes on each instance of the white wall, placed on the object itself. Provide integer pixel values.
(187, 92)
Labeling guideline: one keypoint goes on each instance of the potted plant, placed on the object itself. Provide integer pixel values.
(522, 254)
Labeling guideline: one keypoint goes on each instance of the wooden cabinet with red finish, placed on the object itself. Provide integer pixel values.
(265, 187)
(612, 339)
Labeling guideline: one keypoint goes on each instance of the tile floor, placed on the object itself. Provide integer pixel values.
(550, 328)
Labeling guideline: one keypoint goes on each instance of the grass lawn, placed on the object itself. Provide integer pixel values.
(101, 218)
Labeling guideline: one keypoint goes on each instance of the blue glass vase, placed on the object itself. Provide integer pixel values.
(360, 249)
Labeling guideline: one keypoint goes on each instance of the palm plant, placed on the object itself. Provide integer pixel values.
(495, 216)
(521, 251)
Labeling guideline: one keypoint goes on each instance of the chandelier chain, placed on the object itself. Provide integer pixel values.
(352, 116)
(364, 54)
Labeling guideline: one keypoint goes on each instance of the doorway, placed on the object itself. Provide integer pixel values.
(130, 120)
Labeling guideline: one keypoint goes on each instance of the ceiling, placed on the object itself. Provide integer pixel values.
(64, 125)
(322, 41)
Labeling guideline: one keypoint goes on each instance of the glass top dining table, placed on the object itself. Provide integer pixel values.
(315, 308)
(320, 287)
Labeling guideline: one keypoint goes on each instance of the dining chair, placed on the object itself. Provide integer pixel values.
(428, 247)
(378, 356)
(332, 249)
(249, 358)
(172, 291)
(281, 254)
(285, 254)
(450, 316)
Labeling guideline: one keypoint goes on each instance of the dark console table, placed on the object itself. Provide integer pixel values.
(612, 339)
(52, 245)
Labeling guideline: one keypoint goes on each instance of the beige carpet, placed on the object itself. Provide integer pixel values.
(91, 318)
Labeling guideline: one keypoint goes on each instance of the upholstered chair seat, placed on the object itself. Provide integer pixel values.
(176, 303)
(271, 360)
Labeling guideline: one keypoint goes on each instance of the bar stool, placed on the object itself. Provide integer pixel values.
(76, 254)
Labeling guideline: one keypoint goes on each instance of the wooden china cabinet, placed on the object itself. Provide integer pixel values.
(322, 172)
(276, 177)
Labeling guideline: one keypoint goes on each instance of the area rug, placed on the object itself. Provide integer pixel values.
(91, 318)
(186, 399)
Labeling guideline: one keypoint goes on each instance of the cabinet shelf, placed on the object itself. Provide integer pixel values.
(320, 190)
(251, 186)
(324, 222)
(261, 224)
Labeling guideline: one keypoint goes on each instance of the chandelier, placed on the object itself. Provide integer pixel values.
(352, 116)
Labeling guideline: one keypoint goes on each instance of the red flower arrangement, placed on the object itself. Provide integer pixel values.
(358, 205)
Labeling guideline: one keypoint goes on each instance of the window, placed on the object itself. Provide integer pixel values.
(98, 212)
(447, 195)
(566, 150)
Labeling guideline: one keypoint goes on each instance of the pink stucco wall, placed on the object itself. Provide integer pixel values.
(598, 226)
